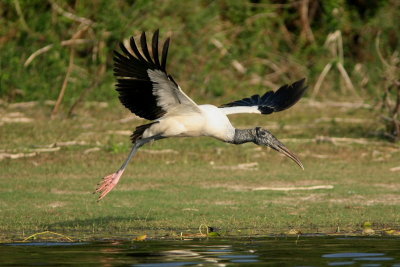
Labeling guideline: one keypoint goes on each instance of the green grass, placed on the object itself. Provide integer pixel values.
(165, 194)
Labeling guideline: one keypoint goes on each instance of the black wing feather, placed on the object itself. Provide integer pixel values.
(136, 96)
(283, 98)
(145, 50)
(136, 50)
(125, 51)
(164, 54)
(154, 48)
(133, 83)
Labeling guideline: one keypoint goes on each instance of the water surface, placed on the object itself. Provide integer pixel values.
(304, 251)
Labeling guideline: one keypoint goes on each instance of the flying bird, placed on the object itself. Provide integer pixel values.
(147, 90)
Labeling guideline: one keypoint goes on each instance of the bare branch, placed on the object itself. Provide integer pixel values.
(64, 86)
(306, 30)
(70, 15)
(48, 47)
(346, 77)
(321, 79)
(378, 51)
(315, 187)
(21, 16)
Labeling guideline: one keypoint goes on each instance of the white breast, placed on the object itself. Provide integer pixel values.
(217, 123)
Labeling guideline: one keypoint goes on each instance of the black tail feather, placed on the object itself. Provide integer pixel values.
(138, 133)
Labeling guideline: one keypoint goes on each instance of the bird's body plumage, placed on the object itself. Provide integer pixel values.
(184, 121)
(147, 90)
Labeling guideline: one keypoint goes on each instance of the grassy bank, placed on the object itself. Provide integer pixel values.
(176, 185)
(220, 51)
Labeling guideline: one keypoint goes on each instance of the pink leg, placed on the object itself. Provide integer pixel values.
(108, 183)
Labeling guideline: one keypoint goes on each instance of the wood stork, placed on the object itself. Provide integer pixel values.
(147, 90)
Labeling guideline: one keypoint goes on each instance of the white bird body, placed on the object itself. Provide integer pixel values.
(147, 89)
(217, 123)
(184, 121)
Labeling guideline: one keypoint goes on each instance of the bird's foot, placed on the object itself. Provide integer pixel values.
(108, 183)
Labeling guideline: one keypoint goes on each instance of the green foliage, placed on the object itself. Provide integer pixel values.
(267, 38)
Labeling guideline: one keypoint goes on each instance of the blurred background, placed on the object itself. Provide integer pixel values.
(221, 50)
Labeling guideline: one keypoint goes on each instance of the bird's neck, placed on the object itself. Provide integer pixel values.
(243, 136)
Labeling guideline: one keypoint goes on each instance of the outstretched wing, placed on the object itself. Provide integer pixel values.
(143, 84)
(283, 98)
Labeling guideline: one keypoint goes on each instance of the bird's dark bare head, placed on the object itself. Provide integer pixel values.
(264, 138)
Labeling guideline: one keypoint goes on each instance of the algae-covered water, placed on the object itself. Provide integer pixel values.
(279, 251)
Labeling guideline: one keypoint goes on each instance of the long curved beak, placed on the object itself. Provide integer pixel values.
(284, 150)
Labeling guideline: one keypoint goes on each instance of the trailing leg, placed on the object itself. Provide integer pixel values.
(110, 181)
